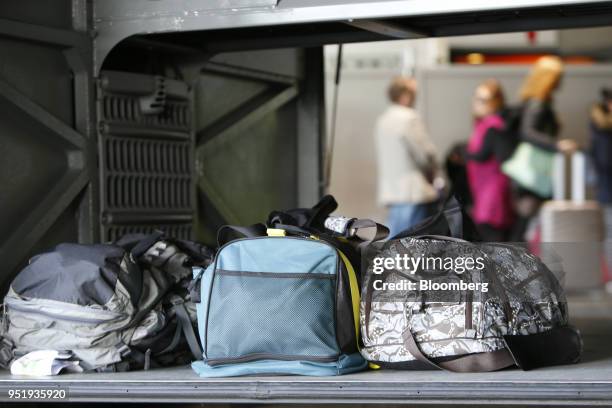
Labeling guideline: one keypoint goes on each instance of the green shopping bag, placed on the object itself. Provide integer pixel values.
(531, 167)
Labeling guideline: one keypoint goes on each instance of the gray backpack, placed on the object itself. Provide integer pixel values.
(115, 307)
(521, 319)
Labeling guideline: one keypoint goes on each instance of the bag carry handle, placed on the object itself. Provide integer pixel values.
(228, 233)
(308, 218)
(322, 210)
(138, 244)
(381, 233)
(451, 212)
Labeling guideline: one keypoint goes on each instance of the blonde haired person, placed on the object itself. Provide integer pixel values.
(531, 165)
(406, 159)
(539, 124)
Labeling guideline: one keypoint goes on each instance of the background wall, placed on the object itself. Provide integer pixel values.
(366, 71)
(48, 170)
(444, 100)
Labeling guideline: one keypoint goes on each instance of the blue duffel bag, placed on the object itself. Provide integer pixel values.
(278, 305)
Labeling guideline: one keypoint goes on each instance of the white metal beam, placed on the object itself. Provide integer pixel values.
(116, 20)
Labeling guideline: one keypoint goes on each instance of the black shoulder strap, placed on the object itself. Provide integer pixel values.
(309, 218)
(451, 221)
(200, 254)
(138, 244)
(186, 326)
(556, 346)
(322, 210)
(381, 232)
(478, 362)
(228, 233)
(7, 352)
(454, 217)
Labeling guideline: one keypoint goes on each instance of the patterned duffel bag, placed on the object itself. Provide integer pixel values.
(507, 309)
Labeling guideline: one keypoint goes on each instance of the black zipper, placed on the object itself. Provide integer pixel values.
(269, 356)
(277, 275)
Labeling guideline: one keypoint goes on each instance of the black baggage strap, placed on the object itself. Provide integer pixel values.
(141, 358)
(559, 345)
(322, 210)
(305, 217)
(381, 233)
(454, 218)
(185, 323)
(225, 233)
(144, 244)
(360, 245)
(139, 244)
(450, 212)
(312, 222)
(7, 355)
(176, 338)
(479, 362)
(184, 326)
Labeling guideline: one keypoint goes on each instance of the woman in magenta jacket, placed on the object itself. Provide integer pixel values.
(491, 189)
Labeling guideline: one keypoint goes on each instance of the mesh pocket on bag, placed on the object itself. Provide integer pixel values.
(284, 316)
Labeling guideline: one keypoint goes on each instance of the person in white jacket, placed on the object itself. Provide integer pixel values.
(407, 160)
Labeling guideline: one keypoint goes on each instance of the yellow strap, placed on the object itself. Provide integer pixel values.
(275, 232)
(354, 293)
(354, 287)
(374, 366)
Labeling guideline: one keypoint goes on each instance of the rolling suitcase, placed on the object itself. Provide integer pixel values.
(572, 226)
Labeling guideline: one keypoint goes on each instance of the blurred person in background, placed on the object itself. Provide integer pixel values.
(456, 169)
(492, 210)
(406, 160)
(601, 154)
(539, 127)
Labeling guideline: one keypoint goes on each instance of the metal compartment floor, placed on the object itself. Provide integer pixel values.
(586, 383)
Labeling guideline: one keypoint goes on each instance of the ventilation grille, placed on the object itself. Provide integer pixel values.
(148, 192)
(147, 174)
(126, 109)
(134, 155)
(181, 231)
(146, 158)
